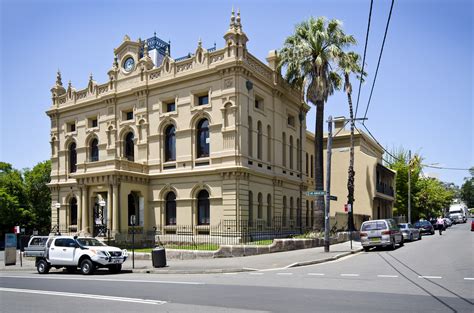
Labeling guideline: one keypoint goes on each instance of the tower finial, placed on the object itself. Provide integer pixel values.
(238, 24)
(200, 42)
(59, 79)
(145, 49)
(90, 77)
(232, 19)
(167, 50)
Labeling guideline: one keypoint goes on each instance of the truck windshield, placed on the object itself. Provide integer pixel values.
(90, 242)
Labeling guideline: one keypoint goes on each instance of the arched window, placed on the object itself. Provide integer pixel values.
(203, 207)
(170, 208)
(203, 139)
(129, 147)
(94, 148)
(260, 205)
(250, 208)
(283, 150)
(259, 140)
(283, 215)
(73, 211)
(291, 208)
(269, 143)
(290, 150)
(298, 163)
(170, 143)
(307, 164)
(307, 213)
(250, 137)
(133, 209)
(72, 158)
(269, 210)
(298, 212)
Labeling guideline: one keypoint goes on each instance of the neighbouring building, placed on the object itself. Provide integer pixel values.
(180, 145)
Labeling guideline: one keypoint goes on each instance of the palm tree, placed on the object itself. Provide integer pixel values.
(349, 63)
(309, 56)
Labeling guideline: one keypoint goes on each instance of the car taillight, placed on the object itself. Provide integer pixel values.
(386, 232)
(363, 234)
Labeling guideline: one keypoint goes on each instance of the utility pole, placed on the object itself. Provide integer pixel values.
(327, 220)
(409, 186)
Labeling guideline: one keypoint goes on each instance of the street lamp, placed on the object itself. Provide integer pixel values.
(103, 227)
(57, 205)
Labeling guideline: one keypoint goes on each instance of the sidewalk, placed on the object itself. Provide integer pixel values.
(224, 265)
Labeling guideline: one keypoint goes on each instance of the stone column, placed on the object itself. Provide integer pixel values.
(85, 210)
(79, 210)
(115, 213)
(109, 208)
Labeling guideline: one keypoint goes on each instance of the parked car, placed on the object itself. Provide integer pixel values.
(472, 225)
(425, 227)
(72, 252)
(409, 232)
(380, 233)
(447, 222)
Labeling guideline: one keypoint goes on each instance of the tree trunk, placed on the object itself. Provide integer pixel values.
(351, 172)
(318, 166)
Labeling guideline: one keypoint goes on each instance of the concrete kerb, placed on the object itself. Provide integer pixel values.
(333, 258)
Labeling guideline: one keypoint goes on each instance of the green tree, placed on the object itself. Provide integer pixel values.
(399, 163)
(39, 194)
(309, 56)
(432, 198)
(25, 198)
(467, 192)
(349, 63)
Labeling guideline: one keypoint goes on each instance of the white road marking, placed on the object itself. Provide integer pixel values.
(430, 277)
(316, 274)
(230, 273)
(109, 279)
(255, 273)
(468, 278)
(388, 276)
(350, 275)
(82, 295)
(287, 274)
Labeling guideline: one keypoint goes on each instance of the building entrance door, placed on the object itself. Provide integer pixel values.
(100, 218)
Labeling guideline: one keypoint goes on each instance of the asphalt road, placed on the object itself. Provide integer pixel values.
(432, 275)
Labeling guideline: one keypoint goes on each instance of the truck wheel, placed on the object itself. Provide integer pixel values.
(116, 268)
(87, 267)
(42, 267)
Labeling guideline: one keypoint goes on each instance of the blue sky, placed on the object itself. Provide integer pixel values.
(423, 98)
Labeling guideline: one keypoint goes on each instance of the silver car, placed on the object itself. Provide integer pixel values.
(409, 232)
(380, 233)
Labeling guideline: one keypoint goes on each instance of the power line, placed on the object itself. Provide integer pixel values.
(363, 59)
(380, 57)
(446, 168)
(394, 157)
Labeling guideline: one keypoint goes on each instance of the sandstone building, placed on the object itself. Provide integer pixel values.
(210, 137)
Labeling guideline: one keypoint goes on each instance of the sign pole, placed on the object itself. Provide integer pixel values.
(327, 224)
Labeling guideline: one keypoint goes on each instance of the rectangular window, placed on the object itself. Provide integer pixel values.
(203, 100)
(291, 120)
(71, 127)
(92, 122)
(129, 115)
(258, 103)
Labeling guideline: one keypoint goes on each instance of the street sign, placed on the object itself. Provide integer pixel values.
(334, 198)
(316, 193)
(347, 208)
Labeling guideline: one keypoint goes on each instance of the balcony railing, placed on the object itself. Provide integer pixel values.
(385, 189)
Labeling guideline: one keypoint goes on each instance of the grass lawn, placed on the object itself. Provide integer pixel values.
(203, 247)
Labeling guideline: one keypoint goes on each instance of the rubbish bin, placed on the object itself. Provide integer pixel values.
(158, 257)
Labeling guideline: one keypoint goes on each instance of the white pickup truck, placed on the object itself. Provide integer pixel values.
(72, 252)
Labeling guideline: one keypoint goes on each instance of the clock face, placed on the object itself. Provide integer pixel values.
(128, 64)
